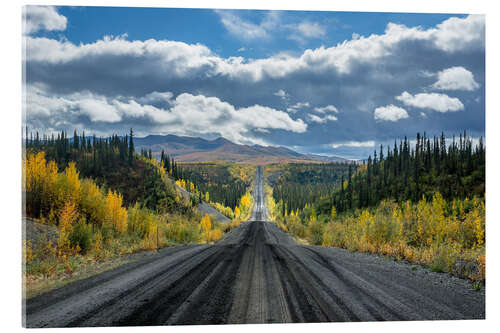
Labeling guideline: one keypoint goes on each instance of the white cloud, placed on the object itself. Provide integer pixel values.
(317, 119)
(299, 105)
(56, 108)
(98, 109)
(334, 74)
(39, 104)
(328, 108)
(38, 18)
(281, 94)
(182, 60)
(457, 34)
(305, 30)
(390, 113)
(311, 29)
(314, 118)
(245, 29)
(367, 49)
(323, 110)
(425, 73)
(456, 78)
(331, 117)
(354, 144)
(156, 97)
(434, 101)
(188, 115)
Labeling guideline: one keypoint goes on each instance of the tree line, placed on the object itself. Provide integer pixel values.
(93, 154)
(216, 180)
(112, 163)
(300, 184)
(410, 171)
(167, 161)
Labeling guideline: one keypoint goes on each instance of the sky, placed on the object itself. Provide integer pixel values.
(331, 83)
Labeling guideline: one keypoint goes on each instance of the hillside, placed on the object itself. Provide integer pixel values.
(423, 202)
(191, 149)
(408, 171)
(203, 207)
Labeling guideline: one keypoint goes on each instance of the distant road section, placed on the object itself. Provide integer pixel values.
(256, 274)
(260, 212)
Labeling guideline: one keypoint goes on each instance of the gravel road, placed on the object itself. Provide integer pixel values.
(256, 274)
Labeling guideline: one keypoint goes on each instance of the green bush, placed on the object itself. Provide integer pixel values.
(437, 267)
(81, 236)
(315, 232)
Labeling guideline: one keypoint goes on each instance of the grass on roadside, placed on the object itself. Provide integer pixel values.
(443, 236)
(47, 265)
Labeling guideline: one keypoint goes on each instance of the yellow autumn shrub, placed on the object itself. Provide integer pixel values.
(93, 202)
(433, 232)
(67, 217)
(215, 235)
(39, 179)
(206, 226)
(116, 215)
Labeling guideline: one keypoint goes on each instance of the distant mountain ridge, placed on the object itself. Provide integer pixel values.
(195, 149)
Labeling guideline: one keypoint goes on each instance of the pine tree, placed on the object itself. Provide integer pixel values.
(76, 143)
(131, 148)
(409, 172)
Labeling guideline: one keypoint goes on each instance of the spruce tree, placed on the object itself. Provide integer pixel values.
(131, 147)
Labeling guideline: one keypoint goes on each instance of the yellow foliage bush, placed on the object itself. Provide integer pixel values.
(235, 223)
(215, 235)
(111, 230)
(67, 216)
(68, 187)
(226, 211)
(97, 246)
(245, 201)
(141, 221)
(315, 231)
(38, 181)
(93, 201)
(49, 192)
(206, 226)
(178, 230)
(333, 213)
(116, 215)
(434, 232)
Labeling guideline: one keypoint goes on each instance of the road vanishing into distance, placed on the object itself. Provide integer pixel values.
(256, 274)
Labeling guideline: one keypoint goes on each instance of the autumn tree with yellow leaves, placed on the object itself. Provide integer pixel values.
(116, 215)
(39, 182)
(206, 226)
(67, 217)
(93, 221)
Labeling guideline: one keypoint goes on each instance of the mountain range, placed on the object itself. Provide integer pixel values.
(194, 149)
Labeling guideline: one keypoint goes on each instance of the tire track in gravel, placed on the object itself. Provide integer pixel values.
(255, 274)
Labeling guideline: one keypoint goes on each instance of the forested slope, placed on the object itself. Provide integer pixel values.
(112, 164)
(105, 201)
(456, 170)
(225, 186)
(423, 201)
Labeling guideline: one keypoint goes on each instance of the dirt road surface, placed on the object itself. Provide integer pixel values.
(256, 274)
